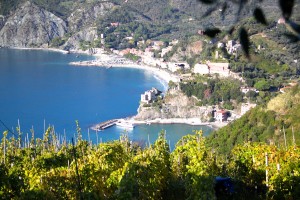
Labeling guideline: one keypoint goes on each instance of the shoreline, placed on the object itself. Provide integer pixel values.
(40, 48)
(107, 62)
(188, 121)
(160, 73)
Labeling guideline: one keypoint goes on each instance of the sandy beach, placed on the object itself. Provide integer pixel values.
(43, 49)
(107, 61)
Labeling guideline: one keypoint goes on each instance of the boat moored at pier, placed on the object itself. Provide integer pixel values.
(125, 124)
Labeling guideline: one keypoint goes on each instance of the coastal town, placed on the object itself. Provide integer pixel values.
(156, 106)
(175, 73)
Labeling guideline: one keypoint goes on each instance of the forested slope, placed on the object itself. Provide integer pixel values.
(276, 123)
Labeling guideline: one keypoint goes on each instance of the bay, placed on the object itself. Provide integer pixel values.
(39, 86)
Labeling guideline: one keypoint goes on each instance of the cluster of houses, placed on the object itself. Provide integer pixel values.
(221, 68)
(147, 56)
(223, 115)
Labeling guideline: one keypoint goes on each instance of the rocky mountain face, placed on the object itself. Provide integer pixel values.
(88, 35)
(31, 26)
(2, 21)
(35, 25)
(83, 17)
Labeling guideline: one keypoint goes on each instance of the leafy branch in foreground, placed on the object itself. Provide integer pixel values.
(286, 7)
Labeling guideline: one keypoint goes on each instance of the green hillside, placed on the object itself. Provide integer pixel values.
(269, 124)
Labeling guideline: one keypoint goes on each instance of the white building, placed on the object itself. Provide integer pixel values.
(150, 95)
(219, 68)
(247, 89)
(232, 47)
(221, 45)
(201, 69)
(212, 68)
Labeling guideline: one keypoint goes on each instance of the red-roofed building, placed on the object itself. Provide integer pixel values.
(221, 115)
(115, 24)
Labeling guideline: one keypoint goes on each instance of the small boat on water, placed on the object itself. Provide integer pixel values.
(125, 124)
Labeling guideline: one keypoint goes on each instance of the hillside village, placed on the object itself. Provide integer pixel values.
(153, 53)
(186, 72)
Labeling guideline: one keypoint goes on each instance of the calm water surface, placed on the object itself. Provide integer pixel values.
(40, 86)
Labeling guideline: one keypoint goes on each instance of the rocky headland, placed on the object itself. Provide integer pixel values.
(175, 105)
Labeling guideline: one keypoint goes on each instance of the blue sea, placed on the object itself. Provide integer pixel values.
(39, 88)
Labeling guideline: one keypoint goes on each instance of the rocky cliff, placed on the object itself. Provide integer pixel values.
(88, 35)
(87, 16)
(176, 105)
(31, 26)
(2, 21)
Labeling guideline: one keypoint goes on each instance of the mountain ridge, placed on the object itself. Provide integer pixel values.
(185, 17)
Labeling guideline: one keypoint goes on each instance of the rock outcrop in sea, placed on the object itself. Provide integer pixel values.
(176, 105)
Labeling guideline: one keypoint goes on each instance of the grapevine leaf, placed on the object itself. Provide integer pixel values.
(244, 39)
(208, 1)
(259, 16)
(286, 8)
(212, 32)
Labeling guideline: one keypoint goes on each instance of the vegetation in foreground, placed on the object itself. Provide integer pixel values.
(49, 169)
